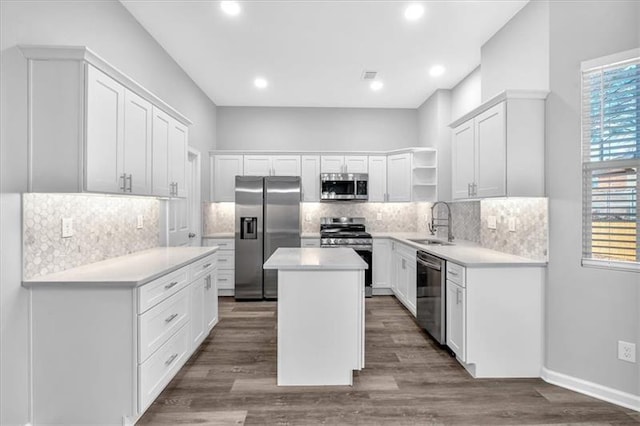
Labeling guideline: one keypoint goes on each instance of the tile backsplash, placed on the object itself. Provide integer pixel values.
(469, 218)
(104, 227)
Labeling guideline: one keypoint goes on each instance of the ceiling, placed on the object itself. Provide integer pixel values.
(313, 53)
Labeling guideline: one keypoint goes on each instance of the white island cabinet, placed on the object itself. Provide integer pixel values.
(320, 315)
(108, 337)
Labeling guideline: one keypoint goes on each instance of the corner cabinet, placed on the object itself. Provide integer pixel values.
(412, 176)
(93, 129)
(498, 148)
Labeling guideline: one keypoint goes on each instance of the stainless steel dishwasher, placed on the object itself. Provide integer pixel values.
(430, 295)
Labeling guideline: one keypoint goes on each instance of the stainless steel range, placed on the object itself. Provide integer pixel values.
(349, 232)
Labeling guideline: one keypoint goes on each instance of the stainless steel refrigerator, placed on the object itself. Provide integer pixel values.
(267, 217)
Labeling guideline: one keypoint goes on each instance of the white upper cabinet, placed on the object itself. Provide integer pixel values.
(498, 149)
(272, 165)
(310, 177)
(92, 128)
(344, 164)
(138, 114)
(463, 165)
(225, 169)
(378, 178)
(105, 134)
(161, 129)
(178, 141)
(399, 177)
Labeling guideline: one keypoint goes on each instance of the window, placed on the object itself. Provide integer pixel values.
(610, 161)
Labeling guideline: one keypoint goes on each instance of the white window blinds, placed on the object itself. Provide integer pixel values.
(610, 163)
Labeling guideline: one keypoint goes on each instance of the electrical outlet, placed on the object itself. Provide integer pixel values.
(307, 217)
(379, 216)
(626, 351)
(512, 224)
(140, 222)
(67, 227)
(491, 222)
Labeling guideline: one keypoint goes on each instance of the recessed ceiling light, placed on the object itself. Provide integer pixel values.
(230, 7)
(437, 70)
(414, 11)
(376, 85)
(260, 83)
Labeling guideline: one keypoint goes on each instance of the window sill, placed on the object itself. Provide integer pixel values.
(611, 264)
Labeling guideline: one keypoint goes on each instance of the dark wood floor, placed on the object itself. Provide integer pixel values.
(407, 381)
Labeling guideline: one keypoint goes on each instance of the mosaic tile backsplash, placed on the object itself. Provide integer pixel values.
(469, 221)
(531, 236)
(104, 227)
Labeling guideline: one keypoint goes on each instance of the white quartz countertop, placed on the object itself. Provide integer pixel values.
(465, 253)
(313, 258)
(131, 270)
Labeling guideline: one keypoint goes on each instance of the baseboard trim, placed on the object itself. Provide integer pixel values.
(595, 390)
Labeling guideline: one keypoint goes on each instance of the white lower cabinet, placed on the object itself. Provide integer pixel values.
(125, 344)
(494, 319)
(382, 264)
(225, 274)
(456, 321)
(404, 275)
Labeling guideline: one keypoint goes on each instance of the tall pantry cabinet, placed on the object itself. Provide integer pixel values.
(93, 129)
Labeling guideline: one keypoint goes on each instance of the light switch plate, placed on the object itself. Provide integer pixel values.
(140, 222)
(491, 222)
(512, 224)
(67, 227)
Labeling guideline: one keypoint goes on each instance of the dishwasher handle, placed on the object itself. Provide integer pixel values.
(429, 261)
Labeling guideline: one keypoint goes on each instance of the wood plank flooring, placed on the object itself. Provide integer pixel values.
(231, 379)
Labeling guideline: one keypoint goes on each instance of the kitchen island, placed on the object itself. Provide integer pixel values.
(320, 315)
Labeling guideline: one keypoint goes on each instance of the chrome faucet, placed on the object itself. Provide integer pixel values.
(434, 225)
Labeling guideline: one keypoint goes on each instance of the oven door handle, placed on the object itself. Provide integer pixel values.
(435, 266)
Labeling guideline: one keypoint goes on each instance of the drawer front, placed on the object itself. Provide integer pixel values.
(226, 280)
(202, 267)
(226, 260)
(456, 273)
(159, 323)
(406, 251)
(158, 290)
(223, 243)
(156, 372)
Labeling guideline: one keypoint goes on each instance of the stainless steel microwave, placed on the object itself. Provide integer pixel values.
(344, 187)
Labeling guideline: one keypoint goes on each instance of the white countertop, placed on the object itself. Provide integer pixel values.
(465, 253)
(314, 258)
(131, 270)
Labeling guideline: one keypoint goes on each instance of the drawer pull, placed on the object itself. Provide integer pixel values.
(171, 359)
(170, 318)
(222, 279)
(168, 286)
(453, 273)
(222, 259)
(206, 266)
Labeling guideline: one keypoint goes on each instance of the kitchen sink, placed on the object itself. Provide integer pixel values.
(432, 242)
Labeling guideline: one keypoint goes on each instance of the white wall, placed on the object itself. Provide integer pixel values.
(517, 56)
(108, 29)
(308, 129)
(434, 116)
(588, 310)
(466, 95)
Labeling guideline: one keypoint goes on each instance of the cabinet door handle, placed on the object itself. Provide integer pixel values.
(469, 190)
(475, 189)
(124, 182)
(170, 318)
(172, 284)
(130, 178)
(176, 194)
(171, 359)
(206, 266)
(458, 294)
